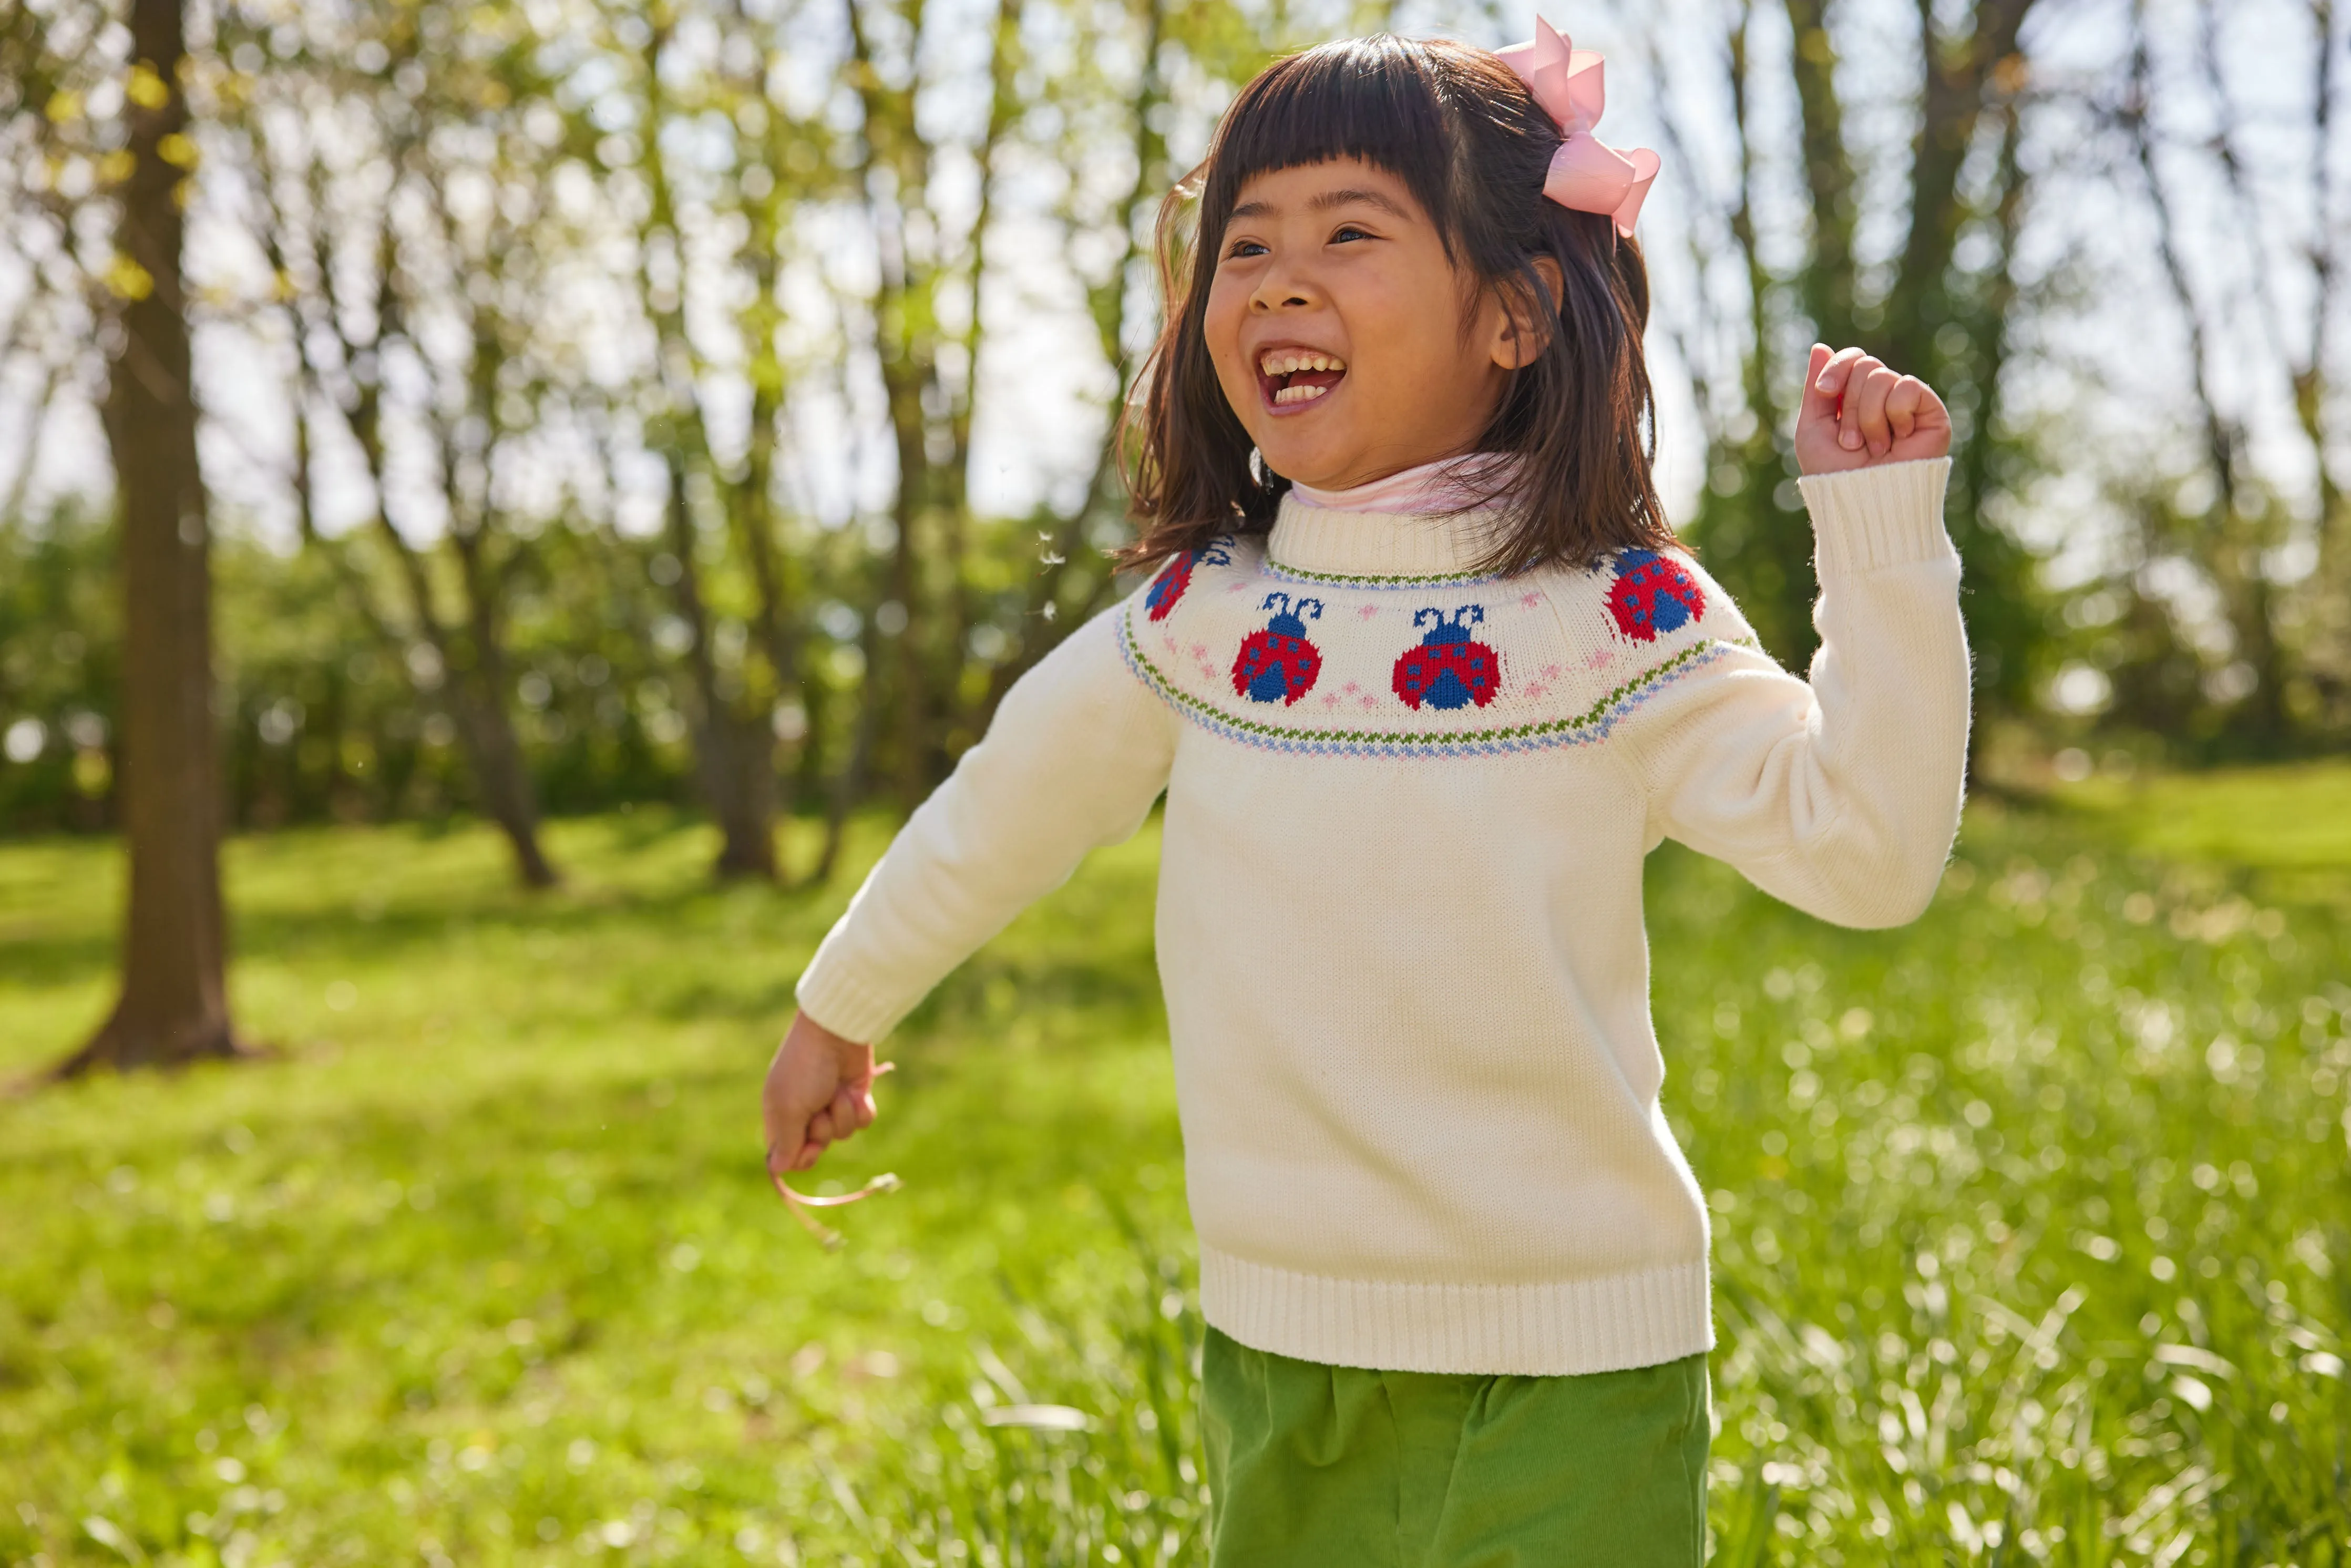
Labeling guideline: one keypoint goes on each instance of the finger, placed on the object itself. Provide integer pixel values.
(809, 1154)
(1932, 414)
(1823, 379)
(787, 1136)
(1867, 399)
(1831, 379)
(1902, 406)
(1856, 376)
(845, 1115)
(861, 1100)
(779, 1118)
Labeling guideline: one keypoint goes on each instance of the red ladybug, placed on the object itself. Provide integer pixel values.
(1277, 664)
(1169, 585)
(1652, 594)
(1449, 669)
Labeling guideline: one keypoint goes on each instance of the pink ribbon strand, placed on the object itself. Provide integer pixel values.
(1586, 174)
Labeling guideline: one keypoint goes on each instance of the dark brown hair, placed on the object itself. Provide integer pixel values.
(1457, 125)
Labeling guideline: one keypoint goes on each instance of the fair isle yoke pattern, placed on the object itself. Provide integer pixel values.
(1432, 666)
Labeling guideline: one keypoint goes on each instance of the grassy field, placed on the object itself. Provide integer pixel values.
(2032, 1221)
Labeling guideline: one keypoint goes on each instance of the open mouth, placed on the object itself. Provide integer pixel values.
(1293, 380)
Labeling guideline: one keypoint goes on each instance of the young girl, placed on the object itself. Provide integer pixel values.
(1425, 678)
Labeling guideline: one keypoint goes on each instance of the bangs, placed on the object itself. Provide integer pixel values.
(1375, 99)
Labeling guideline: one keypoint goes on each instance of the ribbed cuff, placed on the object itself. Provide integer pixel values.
(834, 998)
(1888, 515)
(1553, 1328)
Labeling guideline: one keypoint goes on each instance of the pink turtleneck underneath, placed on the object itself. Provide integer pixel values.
(1439, 487)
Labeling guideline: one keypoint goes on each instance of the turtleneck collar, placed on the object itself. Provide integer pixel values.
(1326, 540)
(1391, 527)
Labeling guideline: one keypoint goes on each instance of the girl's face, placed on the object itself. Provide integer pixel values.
(1334, 320)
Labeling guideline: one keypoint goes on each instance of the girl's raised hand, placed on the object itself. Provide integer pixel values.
(819, 1090)
(1857, 411)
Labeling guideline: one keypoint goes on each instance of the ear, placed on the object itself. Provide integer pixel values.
(1524, 329)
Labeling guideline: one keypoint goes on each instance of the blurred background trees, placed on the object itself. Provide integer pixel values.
(709, 400)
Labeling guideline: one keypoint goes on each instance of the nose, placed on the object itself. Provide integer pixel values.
(1281, 287)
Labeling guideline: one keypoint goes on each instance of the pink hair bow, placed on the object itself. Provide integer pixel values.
(1586, 174)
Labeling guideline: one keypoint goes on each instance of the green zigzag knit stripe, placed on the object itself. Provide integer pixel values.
(1272, 568)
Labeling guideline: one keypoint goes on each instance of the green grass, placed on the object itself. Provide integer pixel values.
(2032, 1219)
(2285, 819)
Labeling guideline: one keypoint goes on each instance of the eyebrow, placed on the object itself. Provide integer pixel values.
(1323, 201)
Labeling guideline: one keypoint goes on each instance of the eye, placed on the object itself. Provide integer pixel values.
(1347, 231)
(1241, 247)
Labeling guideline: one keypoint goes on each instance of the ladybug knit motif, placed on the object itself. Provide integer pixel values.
(1450, 668)
(1168, 587)
(1277, 664)
(1419, 665)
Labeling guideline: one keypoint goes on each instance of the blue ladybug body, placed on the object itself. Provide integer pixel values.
(1277, 664)
(1450, 669)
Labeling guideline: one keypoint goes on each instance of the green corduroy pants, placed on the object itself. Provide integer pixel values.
(1312, 1466)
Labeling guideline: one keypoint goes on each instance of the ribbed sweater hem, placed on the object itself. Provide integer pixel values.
(1558, 1327)
(1890, 515)
(835, 996)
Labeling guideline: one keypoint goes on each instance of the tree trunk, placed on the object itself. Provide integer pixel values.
(849, 783)
(1760, 546)
(1828, 276)
(753, 515)
(480, 690)
(485, 736)
(733, 758)
(174, 1004)
(1955, 83)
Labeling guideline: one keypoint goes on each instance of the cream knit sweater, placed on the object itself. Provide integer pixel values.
(1399, 917)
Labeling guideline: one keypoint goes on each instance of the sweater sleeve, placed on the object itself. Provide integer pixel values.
(1839, 794)
(1076, 753)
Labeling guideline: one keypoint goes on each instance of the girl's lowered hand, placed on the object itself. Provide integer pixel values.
(1857, 411)
(819, 1090)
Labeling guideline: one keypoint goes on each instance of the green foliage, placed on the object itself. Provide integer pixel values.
(60, 665)
(328, 712)
(2031, 1237)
